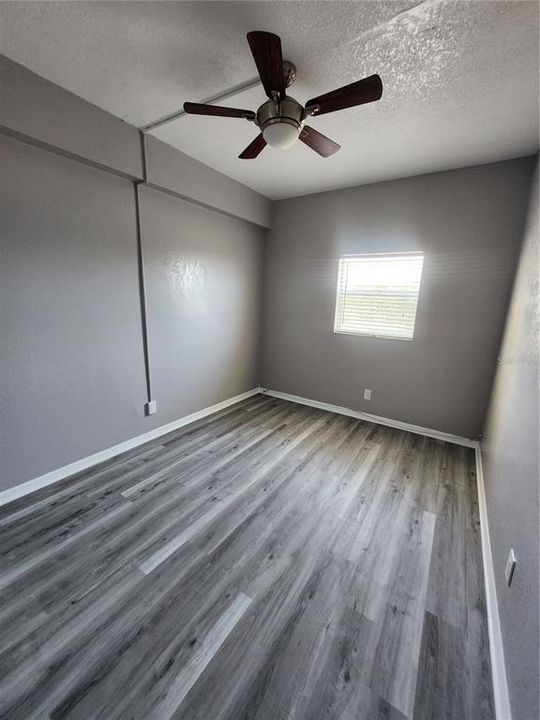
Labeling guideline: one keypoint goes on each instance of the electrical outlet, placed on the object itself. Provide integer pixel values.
(510, 567)
(150, 407)
(367, 394)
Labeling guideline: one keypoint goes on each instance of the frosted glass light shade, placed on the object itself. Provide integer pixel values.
(281, 135)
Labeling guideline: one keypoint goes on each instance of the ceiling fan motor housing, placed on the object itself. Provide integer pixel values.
(287, 110)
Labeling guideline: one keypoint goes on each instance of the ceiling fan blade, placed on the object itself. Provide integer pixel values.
(201, 109)
(254, 148)
(266, 50)
(318, 142)
(357, 93)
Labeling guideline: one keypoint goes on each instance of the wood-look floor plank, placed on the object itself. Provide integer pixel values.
(270, 561)
(395, 662)
(111, 468)
(160, 503)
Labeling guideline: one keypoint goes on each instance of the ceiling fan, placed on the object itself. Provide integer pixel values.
(281, 118)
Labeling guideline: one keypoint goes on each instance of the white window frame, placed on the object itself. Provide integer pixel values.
(338, 321)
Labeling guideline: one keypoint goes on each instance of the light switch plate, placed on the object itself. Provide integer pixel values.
(510, 567)
(367, 394)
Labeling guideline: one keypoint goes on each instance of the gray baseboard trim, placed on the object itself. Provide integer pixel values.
(496, 648)
(49, 478)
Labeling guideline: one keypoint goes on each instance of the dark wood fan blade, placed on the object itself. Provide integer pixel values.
(200, 109)
(357, 93)
(253, 149)
(318, 142)
(266, 50)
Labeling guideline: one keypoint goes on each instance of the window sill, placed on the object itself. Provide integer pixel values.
(375, 337)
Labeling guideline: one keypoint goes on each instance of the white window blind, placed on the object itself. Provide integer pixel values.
(377, 294)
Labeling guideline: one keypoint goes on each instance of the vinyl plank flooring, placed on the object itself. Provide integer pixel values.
(271, 561)
(442, 681)
(162, 508)
(395, 662)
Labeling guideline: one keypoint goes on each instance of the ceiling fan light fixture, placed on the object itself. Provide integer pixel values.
(281, 118)
(281, 134)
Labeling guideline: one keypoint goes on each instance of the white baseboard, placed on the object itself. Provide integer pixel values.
(418, 429)
(51, 477)
(496, 649)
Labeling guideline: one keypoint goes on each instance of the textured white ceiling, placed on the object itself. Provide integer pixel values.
(460, 78)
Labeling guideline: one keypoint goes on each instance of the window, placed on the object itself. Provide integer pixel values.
(377, 294)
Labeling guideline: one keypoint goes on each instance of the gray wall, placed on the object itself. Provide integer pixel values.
(185, 177)
(72, 374)
(511, 469)
(72, 379)
(468, 223)
(41, 113)
(47, 114)
(203, 279)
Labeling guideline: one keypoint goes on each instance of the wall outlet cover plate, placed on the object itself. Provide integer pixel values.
(510, 567)
(150, 407)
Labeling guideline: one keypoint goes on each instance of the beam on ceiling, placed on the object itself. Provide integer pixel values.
(215, 98)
